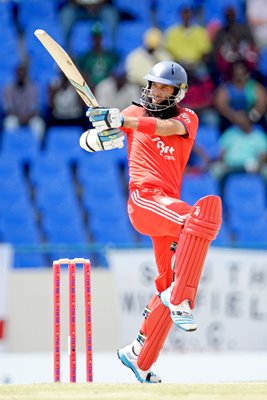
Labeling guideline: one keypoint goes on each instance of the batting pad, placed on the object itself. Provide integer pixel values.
(155, 327)
(201, 227)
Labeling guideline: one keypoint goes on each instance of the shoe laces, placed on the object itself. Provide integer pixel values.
(182, 308)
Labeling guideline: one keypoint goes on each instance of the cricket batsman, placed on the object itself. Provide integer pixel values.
(160, 137)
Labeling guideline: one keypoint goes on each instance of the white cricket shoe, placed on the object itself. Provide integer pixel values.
(129, 359)
(181, 314)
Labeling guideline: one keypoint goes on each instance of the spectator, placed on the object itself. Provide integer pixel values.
(97, 63)
(141, 60)
(101, 11)
(240, 95)
(256, 12)
(188, 42)
(65, 105)
(200, 96)
(190, 45)
(243, 149)
(116, 90)
(233, 42)
(21, 104)
(199, 161)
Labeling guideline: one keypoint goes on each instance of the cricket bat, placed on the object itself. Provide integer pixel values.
(67, 66)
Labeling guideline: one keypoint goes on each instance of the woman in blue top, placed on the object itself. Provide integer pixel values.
(238, 95)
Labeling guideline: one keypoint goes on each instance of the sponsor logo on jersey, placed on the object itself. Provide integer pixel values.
(167, 152)
(185, 117)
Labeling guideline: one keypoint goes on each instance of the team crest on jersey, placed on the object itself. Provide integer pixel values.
(166, 152)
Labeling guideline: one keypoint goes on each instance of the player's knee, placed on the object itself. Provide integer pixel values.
(205, 218)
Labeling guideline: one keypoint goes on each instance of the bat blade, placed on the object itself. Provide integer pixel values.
(67, 66)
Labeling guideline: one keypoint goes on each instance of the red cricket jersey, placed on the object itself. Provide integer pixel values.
(159, 161)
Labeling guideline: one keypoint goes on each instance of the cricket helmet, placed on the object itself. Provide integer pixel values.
(168, 73)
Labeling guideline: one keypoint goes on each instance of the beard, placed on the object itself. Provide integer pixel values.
(169, 112)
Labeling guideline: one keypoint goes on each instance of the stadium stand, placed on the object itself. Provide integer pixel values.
(56, 198)
(21, 144)
(196, 186)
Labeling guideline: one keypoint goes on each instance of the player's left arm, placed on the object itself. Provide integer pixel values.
(156, 126)
(106, 118)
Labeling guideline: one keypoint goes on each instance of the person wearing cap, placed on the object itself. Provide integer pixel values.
(143, 58)
(116, 90)
(98, 62)
(187, 41)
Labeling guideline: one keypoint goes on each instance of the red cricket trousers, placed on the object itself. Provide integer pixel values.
(156, 214)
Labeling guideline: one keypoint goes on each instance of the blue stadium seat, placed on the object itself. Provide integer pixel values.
(21, 144)
(168, 13)
(215, 9)
(119, 156)
(245, 210)
(196, 186)
(71, 231)
(32, 44)
(5, 13)
(18, 227)
(9, 52)
(139, 9)
(100, 183)
(20, 230)
(29, 259)
(52, 192)
(224, 237)
(43, 71)
(46, 168)
(144, 240)
(241, 189)
(107, 211)
(6, 77)
(42, 67)
(81, 39)
(101, 191)
(109, 233)
(64, 229)
(251, 233)
(9, 168)
(64, 211)
(208, 139)
(18, 213)
(25, 236)
(109, 206)
(245, 201)
(130, 36)
(262, 62)
(63, 142)
(13, 190)
(34, 14)
(98, 162)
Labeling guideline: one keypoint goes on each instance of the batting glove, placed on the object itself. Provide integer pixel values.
(93, 140)
(105, 118)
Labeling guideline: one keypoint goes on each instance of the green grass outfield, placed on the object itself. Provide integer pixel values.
(242, 391)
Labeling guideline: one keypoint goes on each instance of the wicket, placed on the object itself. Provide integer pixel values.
(72, 263)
